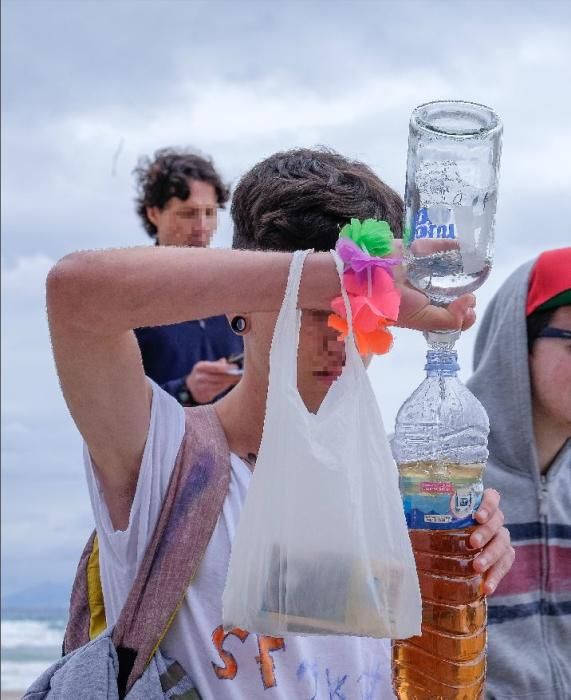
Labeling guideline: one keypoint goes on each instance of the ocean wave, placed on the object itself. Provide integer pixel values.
(20, 675)
(31, 633)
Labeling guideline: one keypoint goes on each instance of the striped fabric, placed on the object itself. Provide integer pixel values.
(529, 615)
(539, 582)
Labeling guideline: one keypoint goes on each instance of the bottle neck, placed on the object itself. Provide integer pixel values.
(442, 363)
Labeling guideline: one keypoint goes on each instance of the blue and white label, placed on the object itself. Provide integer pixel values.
(434, 222)
(436, 505)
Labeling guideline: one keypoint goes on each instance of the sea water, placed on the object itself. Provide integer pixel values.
(31, 642)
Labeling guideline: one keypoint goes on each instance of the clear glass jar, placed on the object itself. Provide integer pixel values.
(450, 200)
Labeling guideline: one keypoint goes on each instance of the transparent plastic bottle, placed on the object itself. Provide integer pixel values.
(440, 446)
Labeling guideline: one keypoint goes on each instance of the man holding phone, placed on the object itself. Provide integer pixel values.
(179, 194)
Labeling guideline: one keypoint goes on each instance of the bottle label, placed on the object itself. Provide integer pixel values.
(434, 222)
(439, 505)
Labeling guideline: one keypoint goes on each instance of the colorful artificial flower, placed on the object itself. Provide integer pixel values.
(372, 236)
(363, 246)
(370, 300)
(355, 258)
(378, 341)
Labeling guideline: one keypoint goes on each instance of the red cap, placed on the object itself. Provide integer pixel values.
(550, 281)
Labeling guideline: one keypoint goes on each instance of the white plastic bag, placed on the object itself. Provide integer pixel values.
(322, 545)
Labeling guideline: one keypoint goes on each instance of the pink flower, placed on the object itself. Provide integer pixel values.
(372, 297)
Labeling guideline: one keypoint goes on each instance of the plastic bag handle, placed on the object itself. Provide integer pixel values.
(285, 341)
(348, 311)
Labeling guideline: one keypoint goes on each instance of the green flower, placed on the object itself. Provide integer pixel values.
(373, 236)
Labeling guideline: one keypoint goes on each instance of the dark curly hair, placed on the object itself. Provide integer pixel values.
(300, 199)
(167, 176)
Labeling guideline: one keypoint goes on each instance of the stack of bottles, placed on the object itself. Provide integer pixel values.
(440, 447)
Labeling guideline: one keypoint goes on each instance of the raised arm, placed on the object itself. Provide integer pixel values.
(94, 299)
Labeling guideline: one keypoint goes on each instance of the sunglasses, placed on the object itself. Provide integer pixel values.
(550, 332)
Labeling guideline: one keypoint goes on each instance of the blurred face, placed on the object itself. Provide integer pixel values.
(320, 356)
(550, 370)
(187, 223)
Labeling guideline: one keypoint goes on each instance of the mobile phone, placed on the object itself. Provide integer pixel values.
(237, 359)
(235, 372)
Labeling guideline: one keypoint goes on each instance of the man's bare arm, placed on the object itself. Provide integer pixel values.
(96, 298)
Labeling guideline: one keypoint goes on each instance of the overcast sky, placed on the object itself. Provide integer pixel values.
(88, 86)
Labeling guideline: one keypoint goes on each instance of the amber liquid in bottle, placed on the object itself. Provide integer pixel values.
(448, 661)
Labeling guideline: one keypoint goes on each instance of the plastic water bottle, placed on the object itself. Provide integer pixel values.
(440, 446)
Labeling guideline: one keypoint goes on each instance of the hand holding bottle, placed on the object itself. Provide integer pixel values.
(497, 555)
(418, 313)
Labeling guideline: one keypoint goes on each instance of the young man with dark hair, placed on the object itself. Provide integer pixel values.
(300, 199)
(133, 430)
(184, 189)
(179, 194)
(522, 375)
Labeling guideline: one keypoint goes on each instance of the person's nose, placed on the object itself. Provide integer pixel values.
(334, 347)
(204, 224)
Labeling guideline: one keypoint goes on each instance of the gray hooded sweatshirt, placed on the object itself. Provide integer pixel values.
(529, 617)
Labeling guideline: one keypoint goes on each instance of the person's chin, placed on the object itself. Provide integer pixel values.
(327, 377)
(201, 241)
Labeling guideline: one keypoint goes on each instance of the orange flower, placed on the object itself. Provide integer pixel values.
(369, 302)
(378, 341)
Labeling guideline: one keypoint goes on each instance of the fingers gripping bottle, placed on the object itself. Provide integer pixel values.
(440, 446)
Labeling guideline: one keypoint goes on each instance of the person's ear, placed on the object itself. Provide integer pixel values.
(153, 215)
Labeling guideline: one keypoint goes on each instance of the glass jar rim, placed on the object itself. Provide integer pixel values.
(491, 125)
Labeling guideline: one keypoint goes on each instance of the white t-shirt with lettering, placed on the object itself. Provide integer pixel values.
(234, 665)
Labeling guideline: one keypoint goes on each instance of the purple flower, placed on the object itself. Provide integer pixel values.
(359, 261)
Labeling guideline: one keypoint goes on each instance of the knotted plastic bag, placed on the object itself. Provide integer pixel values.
(322, 545)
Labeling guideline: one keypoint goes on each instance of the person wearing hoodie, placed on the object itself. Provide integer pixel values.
(522, 376)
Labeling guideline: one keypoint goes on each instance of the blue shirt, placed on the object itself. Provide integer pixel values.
(170, 352)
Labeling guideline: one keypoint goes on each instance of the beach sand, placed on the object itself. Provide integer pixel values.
(11, 694)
